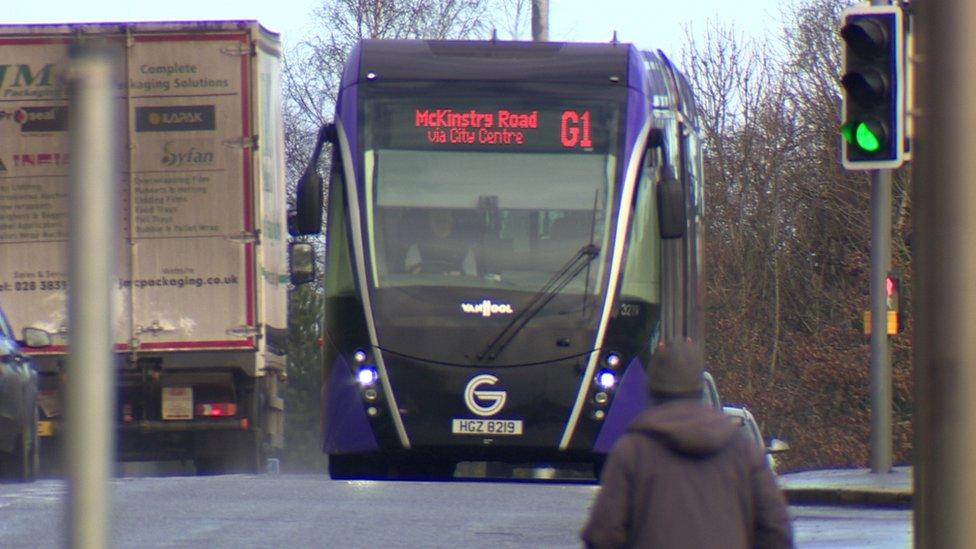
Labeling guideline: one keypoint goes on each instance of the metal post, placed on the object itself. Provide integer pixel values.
(90, 373)
(540, 20)
(880, 372)
(944, 260)
(880, 367)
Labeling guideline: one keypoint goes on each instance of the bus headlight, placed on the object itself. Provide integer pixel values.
(367, 376)
(606, 379)
(360, 356)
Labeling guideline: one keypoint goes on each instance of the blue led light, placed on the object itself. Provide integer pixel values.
(606, 379)
(613, 360)
(359, 356)
(367, 376)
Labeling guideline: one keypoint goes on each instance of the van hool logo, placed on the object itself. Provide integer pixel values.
(175, 119)
(486, 308)
(481, 402)
(177, 154)
(38, 119)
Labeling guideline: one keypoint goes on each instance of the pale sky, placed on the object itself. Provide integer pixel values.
(649, 24)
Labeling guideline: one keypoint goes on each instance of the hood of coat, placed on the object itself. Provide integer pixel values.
(687, 426)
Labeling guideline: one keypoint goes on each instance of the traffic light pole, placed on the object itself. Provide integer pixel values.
(880, 369)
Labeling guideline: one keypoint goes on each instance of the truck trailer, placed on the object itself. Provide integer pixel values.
(201, 283)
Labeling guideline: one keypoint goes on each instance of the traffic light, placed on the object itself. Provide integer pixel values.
(893, 302)
(873, 112)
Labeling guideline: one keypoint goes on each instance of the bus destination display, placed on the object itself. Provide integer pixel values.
(570, 129)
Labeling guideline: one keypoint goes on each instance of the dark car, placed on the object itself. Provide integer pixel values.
(18, 405)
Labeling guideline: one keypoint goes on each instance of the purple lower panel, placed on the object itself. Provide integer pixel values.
(630, 400)
(345, 427)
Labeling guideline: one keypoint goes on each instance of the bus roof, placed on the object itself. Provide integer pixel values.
(454, 60)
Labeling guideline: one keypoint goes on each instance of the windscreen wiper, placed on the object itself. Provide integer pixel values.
(549, 290)
(586, 289)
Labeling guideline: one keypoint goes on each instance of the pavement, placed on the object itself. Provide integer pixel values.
(856, 487)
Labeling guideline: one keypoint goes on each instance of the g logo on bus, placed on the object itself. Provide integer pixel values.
(473, 396)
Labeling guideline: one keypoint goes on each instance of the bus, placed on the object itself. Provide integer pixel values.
(511, 228)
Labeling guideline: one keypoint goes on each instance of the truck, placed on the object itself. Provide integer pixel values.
(201, 281)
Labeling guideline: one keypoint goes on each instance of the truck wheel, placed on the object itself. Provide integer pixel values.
(250, 455)
(208, 465)
(243, 453)
(49, 457)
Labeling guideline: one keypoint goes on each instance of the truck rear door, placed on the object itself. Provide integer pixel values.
(186, 279)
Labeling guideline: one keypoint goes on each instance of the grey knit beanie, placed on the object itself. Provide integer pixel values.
(676, 369)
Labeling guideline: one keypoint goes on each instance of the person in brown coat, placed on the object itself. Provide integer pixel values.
(684, 475)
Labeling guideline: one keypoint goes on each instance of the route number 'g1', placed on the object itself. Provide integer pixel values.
(574, 129)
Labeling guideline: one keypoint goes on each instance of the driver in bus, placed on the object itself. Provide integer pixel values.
(442, 251)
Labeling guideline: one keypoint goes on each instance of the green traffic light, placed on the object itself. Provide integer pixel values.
(866, 139)
(863, 135)
(873, 84)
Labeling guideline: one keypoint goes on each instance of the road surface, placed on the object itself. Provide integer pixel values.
(314, 511)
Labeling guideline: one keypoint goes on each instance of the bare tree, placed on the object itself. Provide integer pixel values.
(788, 236)
(314, 66)
(513, 16)
(744, 109)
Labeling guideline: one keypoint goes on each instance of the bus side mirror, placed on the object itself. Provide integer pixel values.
(307, 216)
(301, 262)
(672, 216)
